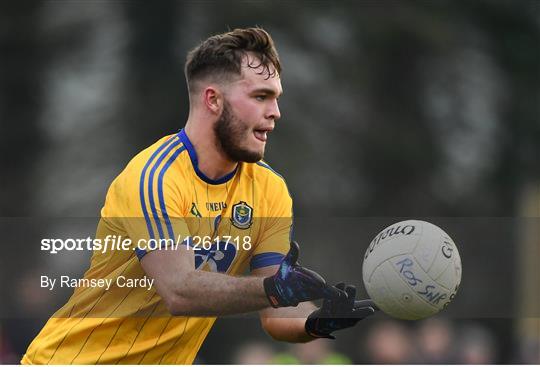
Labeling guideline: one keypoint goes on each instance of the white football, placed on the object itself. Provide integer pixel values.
(412, 270)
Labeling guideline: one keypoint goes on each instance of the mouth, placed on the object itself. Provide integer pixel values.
(261, 134)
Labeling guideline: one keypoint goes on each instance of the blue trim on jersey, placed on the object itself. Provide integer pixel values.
(141, 185)
(217, 220)
(151, 189)
(140, 252)
(262, 164)
(195, 162)
(265, 259)
(160, 190)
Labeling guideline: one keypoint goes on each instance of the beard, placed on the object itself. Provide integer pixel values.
(230, 133)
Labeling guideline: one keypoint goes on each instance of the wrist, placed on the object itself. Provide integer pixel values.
(312, 329)
(271, 291)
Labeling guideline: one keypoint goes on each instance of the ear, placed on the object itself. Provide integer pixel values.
(213, 99)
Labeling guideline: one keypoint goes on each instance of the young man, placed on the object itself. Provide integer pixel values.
(214, 209)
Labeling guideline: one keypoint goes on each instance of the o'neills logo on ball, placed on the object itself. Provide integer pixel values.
(389, 232)
(242, 215)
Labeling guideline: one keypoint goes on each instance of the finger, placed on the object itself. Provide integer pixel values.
(342, 287)
(362, 313)
(334, 293)
(340, 305)
(292, 255)
(351, 295)
(366, 303)
(351, 291)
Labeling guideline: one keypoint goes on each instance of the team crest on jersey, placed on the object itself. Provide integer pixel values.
(242, 215)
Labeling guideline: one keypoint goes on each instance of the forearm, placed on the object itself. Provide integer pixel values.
(289, 330)
(288, 324)
(202, 293)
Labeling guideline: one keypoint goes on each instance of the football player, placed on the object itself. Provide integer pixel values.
(200, 207)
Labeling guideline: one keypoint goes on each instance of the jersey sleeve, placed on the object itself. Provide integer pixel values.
(147, 202)
(277, 232)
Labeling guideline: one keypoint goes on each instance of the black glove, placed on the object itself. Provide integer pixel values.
(337, 314)
(293, 284)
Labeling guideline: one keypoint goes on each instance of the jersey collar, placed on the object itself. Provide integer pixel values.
(195, 162)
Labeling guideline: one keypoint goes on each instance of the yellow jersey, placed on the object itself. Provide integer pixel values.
(241, 221)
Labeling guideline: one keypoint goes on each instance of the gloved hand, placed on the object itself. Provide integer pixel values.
(341, 313)
(293, 284)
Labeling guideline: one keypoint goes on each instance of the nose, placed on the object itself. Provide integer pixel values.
(273, 111)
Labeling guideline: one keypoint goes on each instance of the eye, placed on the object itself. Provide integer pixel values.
(260, 97)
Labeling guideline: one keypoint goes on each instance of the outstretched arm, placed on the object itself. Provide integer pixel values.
(187, 291)
(307, 322)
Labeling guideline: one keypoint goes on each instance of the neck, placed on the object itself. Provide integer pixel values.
(212, 161)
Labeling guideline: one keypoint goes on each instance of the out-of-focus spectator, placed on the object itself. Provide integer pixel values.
(434, 342)
(320, 351)
(32, 304)
(7, 356)
(254, 353)
(529, 352)
(389, 343)
(476, 345)
(31, 298)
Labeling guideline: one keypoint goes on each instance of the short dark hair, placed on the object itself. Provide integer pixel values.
(221, 55)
